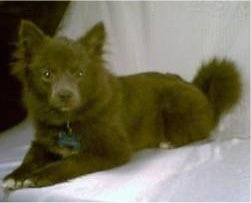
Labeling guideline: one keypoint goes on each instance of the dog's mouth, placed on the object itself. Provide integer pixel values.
(65, 106)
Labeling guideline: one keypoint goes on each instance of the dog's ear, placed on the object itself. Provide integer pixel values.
(30, 36)
(94, 39)
(30, 39)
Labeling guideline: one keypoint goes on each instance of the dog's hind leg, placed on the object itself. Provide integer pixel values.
(187, 116)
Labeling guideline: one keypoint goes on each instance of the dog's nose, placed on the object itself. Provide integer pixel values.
(65, 94)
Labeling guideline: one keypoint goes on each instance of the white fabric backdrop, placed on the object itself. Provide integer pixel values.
(167, 37)
(171, 37)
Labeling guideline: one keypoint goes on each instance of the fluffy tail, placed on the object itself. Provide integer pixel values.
(220, 81)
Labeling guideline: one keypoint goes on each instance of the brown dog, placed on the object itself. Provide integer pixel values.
(87, 119)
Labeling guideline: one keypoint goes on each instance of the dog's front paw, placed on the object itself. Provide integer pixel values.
(40, 179)
(34, 180)
(12, 184)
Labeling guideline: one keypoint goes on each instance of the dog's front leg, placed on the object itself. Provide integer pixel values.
(37, 157)
(71, 167)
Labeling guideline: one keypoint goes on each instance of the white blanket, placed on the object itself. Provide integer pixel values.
(215, 170)
(167, 37)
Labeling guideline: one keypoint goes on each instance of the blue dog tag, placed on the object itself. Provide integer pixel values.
(68, 140)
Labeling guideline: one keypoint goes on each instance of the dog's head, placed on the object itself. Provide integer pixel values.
(63, 73)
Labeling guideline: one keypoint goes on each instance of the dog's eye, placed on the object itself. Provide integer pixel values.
(47, 74)
(80, 73)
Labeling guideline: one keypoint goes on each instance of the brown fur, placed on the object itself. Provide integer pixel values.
(66, 83)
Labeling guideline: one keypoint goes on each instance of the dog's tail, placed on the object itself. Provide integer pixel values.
(220, 81)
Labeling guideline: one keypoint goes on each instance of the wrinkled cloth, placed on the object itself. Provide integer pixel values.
(212, 170)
